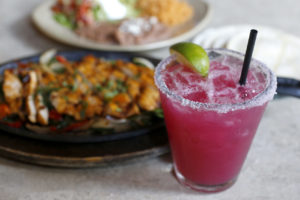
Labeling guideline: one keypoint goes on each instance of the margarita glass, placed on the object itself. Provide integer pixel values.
(211, 121)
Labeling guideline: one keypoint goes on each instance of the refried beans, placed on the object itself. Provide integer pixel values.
(126, 32)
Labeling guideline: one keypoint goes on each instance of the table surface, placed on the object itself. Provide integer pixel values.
(272, 168)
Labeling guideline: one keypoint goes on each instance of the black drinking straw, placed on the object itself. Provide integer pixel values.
(248, 56)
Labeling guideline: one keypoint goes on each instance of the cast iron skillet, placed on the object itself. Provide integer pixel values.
(73, 137)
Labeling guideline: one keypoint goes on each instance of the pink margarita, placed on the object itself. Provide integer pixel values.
(212, 120)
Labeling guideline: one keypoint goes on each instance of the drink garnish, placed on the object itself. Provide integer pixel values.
(192, 55)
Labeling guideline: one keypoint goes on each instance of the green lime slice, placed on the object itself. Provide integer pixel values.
(192, 55)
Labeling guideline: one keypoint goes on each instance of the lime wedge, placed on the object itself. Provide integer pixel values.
(192, 55)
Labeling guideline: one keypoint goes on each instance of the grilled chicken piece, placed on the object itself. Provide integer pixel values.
(94, 106)
(72, 97)
(30, 88)
(76, 104)
(31, 109)
(45, 78)
(133, 110)
(57, 100)
(62, 105)
(133, 88)
(12, 89)
(146, 79)
(114, 110)
(133, 68)
(128, 69)
(122, 99)
(149, 99)
(36, 110)
(117, 75)
(118, 106)
(42, 110)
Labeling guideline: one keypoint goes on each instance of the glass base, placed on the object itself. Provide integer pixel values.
(202, 188)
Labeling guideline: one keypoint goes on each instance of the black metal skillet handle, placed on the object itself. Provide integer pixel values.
(288, 86)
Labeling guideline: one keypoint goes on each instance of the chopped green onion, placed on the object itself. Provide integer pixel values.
(110, 94)
(82, 113)
(59, 70)
(65, 84)
(83, 110)
(46, 91)
(110, 84)
(75, 86)
(66, 98)
(121, 86)
(98, 88)
(159, 113)
(118, 109)
(84, 104)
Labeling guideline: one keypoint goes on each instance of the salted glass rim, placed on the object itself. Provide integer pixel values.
(266, 95)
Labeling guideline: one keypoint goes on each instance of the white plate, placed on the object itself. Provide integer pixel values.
(43, 19)
(279, 50)
(202, 37)
(218, 37)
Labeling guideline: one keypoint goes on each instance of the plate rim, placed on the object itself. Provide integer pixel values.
(38, 23)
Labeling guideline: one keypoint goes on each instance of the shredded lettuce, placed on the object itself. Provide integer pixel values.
(99, 14)
(64, 20)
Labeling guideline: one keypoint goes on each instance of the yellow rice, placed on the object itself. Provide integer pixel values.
(169, 12)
